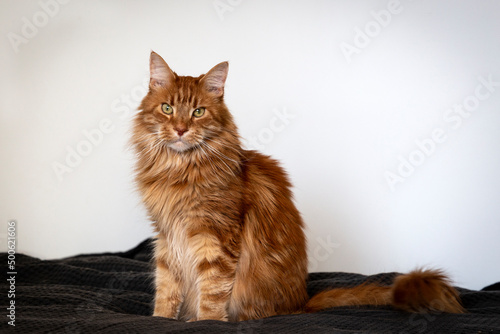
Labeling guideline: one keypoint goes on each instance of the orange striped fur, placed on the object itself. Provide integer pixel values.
(230, 243)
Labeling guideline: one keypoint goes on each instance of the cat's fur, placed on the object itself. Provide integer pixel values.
(230, 243)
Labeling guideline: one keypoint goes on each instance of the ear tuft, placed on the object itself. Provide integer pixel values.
(215, 79)
(160, 73)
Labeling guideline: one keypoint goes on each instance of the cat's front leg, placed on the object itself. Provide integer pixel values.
(216, 271)
(168, 295)
(215, 292)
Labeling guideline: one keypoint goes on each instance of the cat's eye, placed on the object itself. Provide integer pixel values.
(198, 112)
(167, 109)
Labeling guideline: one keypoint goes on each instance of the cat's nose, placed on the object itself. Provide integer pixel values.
(181, 130)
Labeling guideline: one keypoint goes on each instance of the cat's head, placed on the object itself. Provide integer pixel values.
(184, 113)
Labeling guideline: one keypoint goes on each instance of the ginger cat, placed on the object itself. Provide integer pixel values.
(230, 243)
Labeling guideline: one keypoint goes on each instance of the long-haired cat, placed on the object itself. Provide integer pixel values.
(230, 243)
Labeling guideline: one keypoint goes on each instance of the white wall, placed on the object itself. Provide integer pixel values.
(358, 105)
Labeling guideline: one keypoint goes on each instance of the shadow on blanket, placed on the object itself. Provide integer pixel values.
(112, 293)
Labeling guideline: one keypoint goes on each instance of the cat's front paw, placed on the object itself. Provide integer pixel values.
(157, 314)
(426, 291)
(164, 312)
(219, 317)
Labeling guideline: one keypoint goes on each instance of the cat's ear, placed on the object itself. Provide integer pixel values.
(160, 73)
(215, 79)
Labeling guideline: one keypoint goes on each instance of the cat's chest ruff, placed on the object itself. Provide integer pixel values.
(182, 212)
(182, 199)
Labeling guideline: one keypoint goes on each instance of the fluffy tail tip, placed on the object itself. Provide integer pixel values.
(426, 291)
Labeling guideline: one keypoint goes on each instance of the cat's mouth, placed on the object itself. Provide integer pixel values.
(180, 145)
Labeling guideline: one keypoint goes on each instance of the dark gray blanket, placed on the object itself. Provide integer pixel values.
(112, 293)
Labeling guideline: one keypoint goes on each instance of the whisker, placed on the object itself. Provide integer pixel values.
(220, 154)
(226, 146)
(221, 157)
(209, 159)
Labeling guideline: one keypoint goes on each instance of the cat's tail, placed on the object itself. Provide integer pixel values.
(418, 291)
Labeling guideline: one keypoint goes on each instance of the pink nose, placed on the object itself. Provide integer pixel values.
(180, 130)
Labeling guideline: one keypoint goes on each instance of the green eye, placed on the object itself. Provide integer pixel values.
(198, 112)
(167, 109)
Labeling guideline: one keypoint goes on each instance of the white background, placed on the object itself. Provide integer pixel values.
(68, 68)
